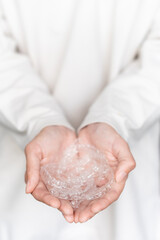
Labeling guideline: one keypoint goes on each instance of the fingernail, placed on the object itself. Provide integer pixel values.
(121, 176)
(69, 218)
(82, 220)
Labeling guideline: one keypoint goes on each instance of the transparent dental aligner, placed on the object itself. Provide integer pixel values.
(82, 173)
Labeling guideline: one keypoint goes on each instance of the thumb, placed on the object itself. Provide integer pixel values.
(32, 167)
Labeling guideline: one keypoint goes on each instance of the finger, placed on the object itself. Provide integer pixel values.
(81, 208)
(66, 209)
(32, 167)
(126, 160)
(85, 213)
(41, 194)
(110, 197)
(103, 203)
(92, 209)
(69, 218)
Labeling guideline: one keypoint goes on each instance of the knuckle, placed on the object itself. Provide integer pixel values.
(28, 147)
(133, 164)
(109, 199)
(113, 197)
(32, 146)
(116, 198)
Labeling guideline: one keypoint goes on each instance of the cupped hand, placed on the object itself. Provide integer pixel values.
(46, 146)
(108, 141)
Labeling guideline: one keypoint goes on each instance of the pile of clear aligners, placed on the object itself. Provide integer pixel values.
(81, 174)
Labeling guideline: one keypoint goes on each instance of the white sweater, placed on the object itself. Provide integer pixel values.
(56, 57)
(72, 63)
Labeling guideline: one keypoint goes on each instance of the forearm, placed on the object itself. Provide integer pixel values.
(26, 105)
(131, 102)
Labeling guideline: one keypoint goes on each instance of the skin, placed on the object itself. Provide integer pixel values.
(118, 154)
(46, 146)
(51, 141)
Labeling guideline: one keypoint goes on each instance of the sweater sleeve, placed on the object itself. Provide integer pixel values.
(26, 105)
(131, 102)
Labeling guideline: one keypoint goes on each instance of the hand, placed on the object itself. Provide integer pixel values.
(117, 151)
(47, 145)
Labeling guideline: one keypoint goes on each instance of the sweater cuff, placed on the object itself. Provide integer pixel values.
(115, 120)
(35, 128)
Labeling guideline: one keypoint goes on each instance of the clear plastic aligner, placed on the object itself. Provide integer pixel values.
(82, 173)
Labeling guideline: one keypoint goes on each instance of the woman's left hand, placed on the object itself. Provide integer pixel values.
(107, 140)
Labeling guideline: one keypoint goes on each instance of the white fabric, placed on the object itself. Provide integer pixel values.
(71, 63)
